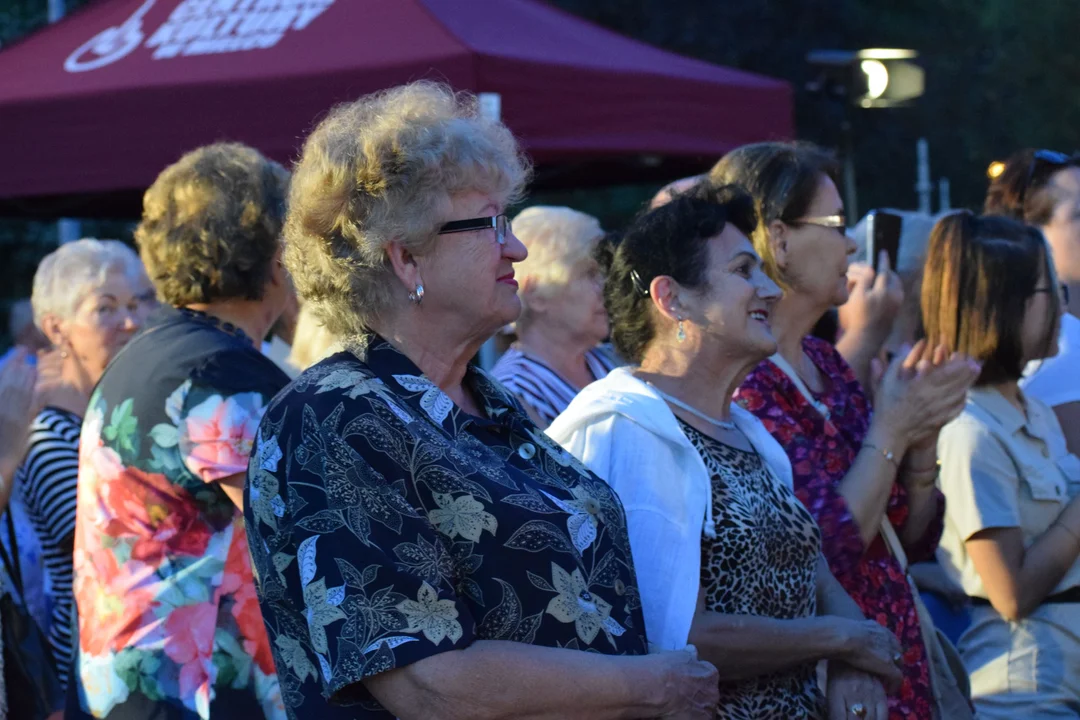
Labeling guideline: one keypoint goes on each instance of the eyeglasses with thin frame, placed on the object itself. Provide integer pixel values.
(500, 223)
(836, 222)
(1040, 160)
(1062, 289)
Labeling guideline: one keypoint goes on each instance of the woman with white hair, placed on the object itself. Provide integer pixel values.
(563, 320)
(89, 298)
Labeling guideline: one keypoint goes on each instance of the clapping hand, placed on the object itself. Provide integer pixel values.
(17, 409)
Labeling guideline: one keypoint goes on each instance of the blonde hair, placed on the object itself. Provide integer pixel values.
(74, 270)
(211, 225)
(558, 239)
(311, 342)
(384, 168)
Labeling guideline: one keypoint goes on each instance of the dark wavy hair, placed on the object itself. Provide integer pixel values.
(1023, 191)
(671, 240)
(979, 274)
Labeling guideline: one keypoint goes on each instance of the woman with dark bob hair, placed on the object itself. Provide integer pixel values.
(169, 625)
(855, 470)
(1042, 188)
(423, 549)
(1012, 525)
(727, 558)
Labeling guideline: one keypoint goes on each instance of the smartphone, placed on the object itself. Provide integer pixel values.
(883, 233)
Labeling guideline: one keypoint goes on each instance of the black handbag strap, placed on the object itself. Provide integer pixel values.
(11, 562)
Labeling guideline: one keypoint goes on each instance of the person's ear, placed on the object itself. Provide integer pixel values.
(53, 329)
(279, 276)
(664, 292)
(404, 264)
(777, 236)
(532, 295)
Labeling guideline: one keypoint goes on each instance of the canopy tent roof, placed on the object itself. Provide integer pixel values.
(96, 105)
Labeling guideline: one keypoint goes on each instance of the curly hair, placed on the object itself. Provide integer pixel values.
(384, 168)
(212, 223)
(672, 240)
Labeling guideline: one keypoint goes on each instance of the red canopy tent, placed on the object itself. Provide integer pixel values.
(92, 108)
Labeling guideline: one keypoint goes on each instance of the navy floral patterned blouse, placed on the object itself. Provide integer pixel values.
(387, 526)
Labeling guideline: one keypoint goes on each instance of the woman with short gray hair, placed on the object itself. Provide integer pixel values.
(422, 549)
(89, 298)
(563, 320)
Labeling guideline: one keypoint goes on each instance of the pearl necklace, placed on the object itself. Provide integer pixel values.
(722, 424)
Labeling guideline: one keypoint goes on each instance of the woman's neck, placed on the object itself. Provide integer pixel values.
(441, 357)
(558, 350)
(705, 381)
(1010, 390)
(792, 320)
(251, 316)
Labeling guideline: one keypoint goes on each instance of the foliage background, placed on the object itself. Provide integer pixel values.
(1000, 75)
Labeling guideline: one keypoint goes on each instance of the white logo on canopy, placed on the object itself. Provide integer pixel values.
(199, 27)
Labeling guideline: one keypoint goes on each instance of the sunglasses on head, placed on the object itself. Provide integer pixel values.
(1041, 160)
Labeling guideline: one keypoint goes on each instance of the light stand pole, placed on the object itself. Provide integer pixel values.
(872, 78)
(851, 203)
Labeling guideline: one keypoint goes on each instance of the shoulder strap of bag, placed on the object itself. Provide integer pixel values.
(888, 534)
(785, 367)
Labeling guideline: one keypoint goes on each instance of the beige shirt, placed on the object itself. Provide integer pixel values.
(1000, 469)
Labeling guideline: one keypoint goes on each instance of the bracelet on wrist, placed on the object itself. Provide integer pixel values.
(885, 452)
(935, 468)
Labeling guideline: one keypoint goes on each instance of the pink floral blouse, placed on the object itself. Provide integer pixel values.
(821, 452)
(169, 623)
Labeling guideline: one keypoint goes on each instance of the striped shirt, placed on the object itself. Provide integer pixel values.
(542, 389)
(47, 481)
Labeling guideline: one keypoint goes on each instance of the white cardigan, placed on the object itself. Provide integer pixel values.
(626, 433)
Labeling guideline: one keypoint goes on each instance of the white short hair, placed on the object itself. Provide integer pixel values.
(558, 238)
(68, 274)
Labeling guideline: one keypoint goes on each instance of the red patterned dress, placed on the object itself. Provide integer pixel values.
(821, 452)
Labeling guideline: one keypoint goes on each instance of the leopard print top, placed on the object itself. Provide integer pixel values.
(762, 562)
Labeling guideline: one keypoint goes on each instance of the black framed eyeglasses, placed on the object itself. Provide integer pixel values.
(1042, 160)
(1062, 289)
(500, 223)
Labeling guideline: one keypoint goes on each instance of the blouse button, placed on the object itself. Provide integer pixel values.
(527, 451)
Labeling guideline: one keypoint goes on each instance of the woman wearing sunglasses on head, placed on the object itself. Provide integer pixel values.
(1042, 188)
(1012, 529)
(853, 469)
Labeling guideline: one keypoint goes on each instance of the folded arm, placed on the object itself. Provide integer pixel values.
(492, 680)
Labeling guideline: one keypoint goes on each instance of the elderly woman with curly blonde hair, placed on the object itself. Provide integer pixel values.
(563, 320)
(423, 551)
(169, 625)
